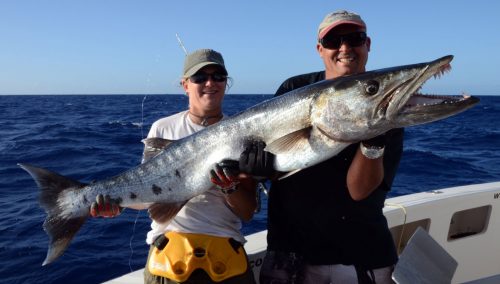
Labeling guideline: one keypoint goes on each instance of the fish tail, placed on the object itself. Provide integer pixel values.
(60, 226)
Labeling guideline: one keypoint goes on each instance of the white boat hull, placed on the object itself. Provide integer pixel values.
(464, 220)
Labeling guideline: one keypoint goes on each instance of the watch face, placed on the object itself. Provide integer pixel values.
(371, 152)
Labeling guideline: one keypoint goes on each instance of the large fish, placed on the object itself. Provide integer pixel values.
(302, 128)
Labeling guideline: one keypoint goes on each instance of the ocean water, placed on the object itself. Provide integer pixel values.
(94, 137)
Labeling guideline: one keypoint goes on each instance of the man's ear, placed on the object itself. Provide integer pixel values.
(319, 49)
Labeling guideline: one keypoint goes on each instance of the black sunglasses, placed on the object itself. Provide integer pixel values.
(333, 41)
(200, 78)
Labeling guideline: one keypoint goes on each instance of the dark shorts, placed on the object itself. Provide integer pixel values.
(290, 268)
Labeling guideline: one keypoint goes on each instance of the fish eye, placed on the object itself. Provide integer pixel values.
(371, 87)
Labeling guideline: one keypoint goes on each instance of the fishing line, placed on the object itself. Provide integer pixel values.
(131, 239)
(138, 211)
(142, 116)
(142, 136)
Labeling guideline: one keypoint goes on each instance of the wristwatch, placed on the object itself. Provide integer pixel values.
(371, 152)
(228, 190)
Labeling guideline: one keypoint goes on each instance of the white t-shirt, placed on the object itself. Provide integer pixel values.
(207, 213)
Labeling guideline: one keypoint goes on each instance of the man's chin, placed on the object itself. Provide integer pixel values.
(347, 69)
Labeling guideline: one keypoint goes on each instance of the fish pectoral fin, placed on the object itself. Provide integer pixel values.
(291, 142)
(154, 146)
(289, 174)
(164, 212)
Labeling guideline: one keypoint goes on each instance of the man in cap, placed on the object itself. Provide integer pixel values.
(325, 223)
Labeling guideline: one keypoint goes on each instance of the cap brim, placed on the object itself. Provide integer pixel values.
(198, 66)
(336, 24)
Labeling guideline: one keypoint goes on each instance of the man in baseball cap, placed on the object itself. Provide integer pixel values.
(343, 44)
(325, 224)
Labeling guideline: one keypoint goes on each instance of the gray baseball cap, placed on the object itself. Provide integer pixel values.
(339, 18)
(201, 58)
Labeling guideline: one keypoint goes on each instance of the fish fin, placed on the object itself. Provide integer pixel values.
(60, 227)
(154, 146)
(289, 174)
(61, 231)
(165, 212)
(290, 142)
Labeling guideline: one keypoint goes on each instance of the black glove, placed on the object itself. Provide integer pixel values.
(257, 162)
(377, 141)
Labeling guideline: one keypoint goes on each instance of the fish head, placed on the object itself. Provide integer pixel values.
(362, 106)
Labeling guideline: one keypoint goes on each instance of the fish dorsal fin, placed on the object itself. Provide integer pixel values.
(291, 142)
(154, 146)
(165, 212)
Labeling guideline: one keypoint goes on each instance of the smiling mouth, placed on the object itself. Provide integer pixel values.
(346, 59)
(210, 92)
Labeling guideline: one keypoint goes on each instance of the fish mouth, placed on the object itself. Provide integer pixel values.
(404, 102)
(418, 102)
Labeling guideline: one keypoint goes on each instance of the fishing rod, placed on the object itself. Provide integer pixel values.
(181, 44)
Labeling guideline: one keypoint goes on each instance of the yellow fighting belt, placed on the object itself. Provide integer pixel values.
(220, 257)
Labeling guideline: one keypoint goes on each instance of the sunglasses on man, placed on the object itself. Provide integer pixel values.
(200, 78)
(333, 41)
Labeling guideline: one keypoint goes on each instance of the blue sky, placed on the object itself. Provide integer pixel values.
(130, 47)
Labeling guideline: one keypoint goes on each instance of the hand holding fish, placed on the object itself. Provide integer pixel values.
(257, 162)
(225, 176)
(254, 163)
(105, 206)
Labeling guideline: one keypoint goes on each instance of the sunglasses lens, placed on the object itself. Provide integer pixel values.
(356, 39)
(332, 42)
(219, 77)
(201, 78)
(335, 41)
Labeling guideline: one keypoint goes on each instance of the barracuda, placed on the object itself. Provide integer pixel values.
(302, 128)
